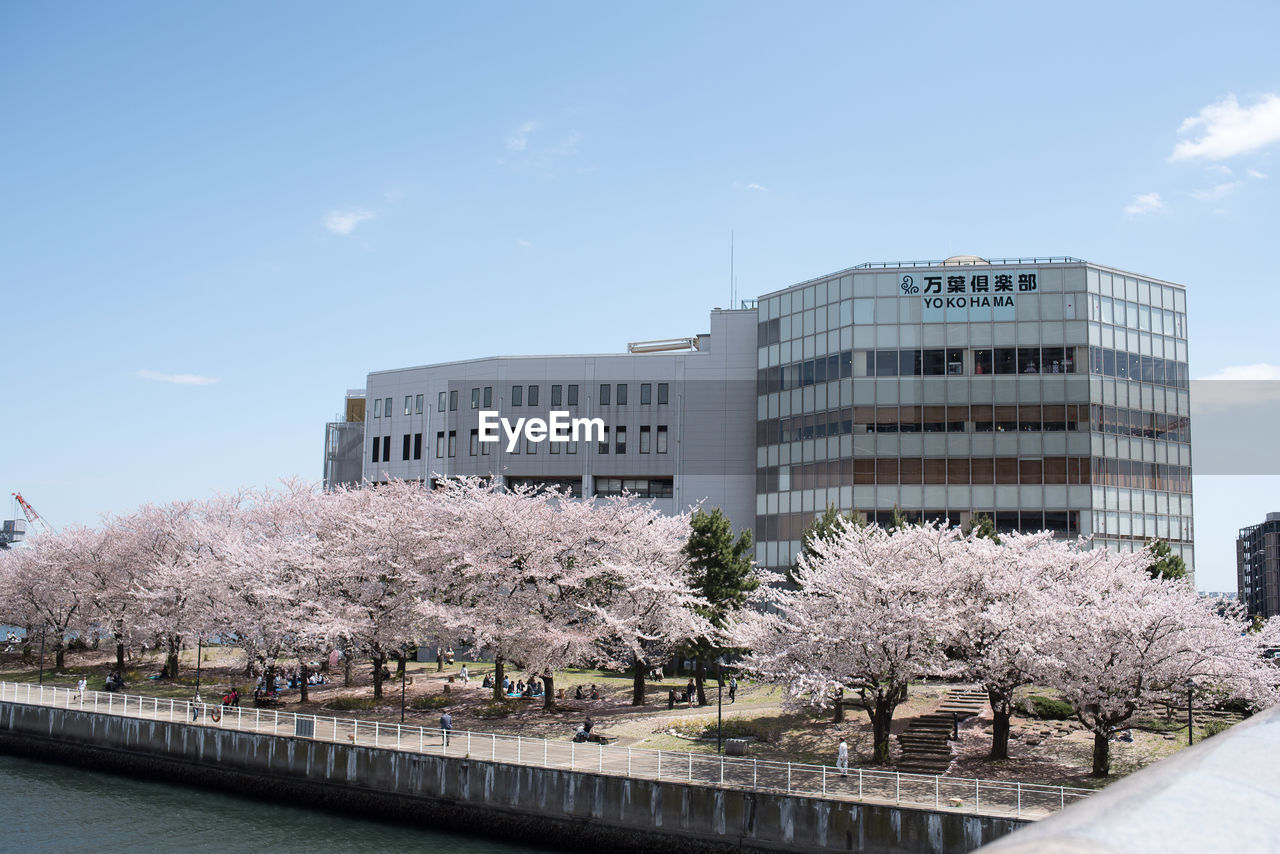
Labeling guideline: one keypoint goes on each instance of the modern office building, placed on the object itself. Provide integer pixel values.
(678, 420)
(1044, 392)
(1258, 567)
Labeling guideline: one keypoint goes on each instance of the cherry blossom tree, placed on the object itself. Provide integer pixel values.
(46, 583)
(1003, 624)
(874, 610)
(370, 562)
(1124, 638)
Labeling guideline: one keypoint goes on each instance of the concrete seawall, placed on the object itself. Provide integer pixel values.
(568, 809)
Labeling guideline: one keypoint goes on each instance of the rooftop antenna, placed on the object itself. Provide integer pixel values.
(732, 281)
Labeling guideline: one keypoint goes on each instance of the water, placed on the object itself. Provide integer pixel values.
(57, 808)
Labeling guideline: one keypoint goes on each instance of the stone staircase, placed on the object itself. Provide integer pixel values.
(925, 745)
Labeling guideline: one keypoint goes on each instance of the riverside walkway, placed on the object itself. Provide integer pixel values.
(995, 798)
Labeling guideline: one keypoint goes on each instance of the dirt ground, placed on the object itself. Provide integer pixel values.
(1052, 752)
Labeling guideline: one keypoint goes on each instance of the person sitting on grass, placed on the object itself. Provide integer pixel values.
(595, 693)
(577, 693)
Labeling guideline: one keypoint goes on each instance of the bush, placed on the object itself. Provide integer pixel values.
(499, 709)
(733, 728)
(428, 702)
(1214, 727)
(351, 704)
(1049, 709)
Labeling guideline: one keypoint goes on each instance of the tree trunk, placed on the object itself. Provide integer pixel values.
(1000, 734)
(637, 683)
(120, 655)
(400, 658)
(27, 654)
(881, 731)
(1002, 715)
(1101, 755)
(59, 654)
(699, 677)
(838, 718)
(302, 683)
(171, 657)
(498, 676)
(348, 666)
(379, 661)
(548, 691)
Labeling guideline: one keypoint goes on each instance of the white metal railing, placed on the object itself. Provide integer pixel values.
(954, 794)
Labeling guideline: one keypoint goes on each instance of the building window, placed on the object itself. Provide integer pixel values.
(474, 441)
(377, 443)
(475, 398)
(620, 446)
(517, 395)
(646, 394)
(417, 404)
(660, 487)
(645, 436)
(557, 395)
(439, 444)
(604, 394)
(533, 395)
(530, 446)
(488, 397)
(453, 443)
(554, 447)
(404, 450)
(662, 438)
(573, 396)
(386, 448)
(484, 448)
(386, 407)
(408, 404)
(440, 405)
(571, 447)
(453, 400)
(662, 393)
(604, 443)
(622, 394)
(417, 446)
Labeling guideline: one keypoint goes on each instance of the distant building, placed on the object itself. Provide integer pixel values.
(1258, 567)
(1045, 393)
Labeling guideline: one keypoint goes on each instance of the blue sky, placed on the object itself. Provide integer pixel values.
(269, 201)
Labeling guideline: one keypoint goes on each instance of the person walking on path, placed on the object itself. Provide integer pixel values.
(842, 758)
(446, 726)
(733, 689)
(80, 688)
(466, 677)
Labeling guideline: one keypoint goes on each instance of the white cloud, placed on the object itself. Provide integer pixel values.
(519, 140)
(1254, 173)
(177, 379)
(1229, 129)
(344, 222)
(1236, 387)
(524, 244)
(1256, 372)
(1218, 191)
(760, 187)
(1219, 169)
(1145, 204)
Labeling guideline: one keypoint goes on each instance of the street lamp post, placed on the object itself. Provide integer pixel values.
(720, 705)
(43, 628)
(1191, 687)
(404, 672)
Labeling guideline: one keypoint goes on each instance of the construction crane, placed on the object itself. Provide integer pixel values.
(31, 514)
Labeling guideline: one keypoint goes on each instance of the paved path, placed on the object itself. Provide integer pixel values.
(995, 798)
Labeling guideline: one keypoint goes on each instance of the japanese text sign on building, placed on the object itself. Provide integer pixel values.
(963, 295)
